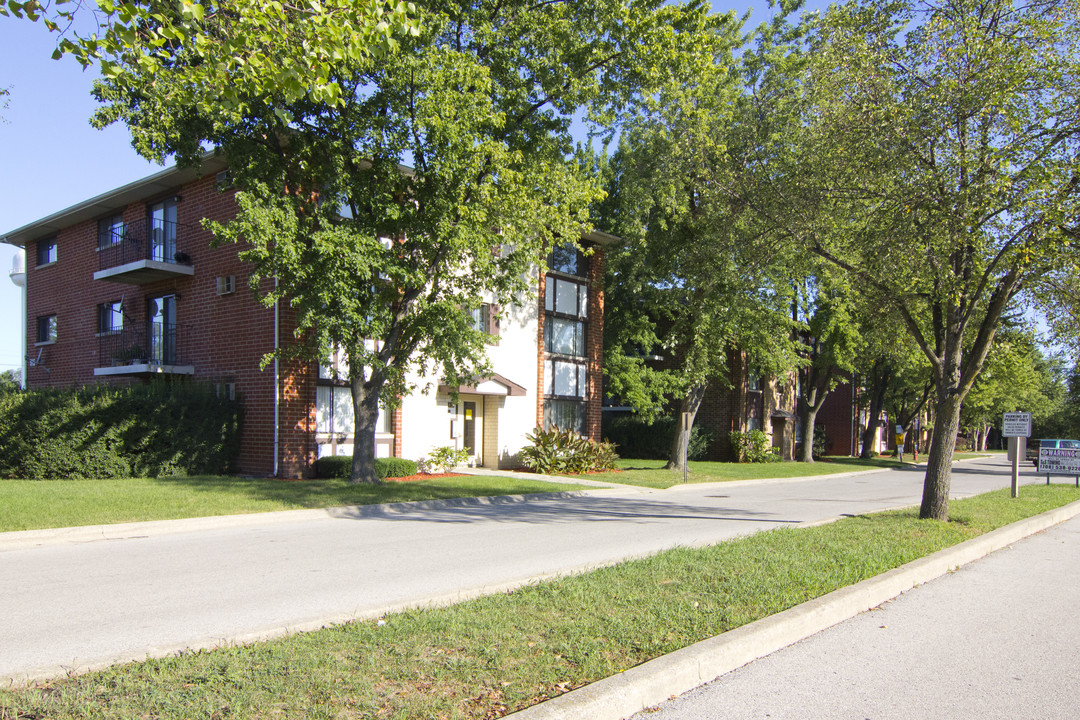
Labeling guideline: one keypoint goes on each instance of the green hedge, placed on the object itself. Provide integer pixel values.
(339, 466)
(652, 441)
(154, 430)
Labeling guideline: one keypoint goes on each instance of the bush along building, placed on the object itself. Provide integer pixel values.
(127, 287)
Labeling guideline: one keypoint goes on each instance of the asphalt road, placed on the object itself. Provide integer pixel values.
(67, 606)
(996, 639)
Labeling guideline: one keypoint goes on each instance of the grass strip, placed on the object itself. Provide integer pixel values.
(651, 473)
(38, 504)
(487, 657)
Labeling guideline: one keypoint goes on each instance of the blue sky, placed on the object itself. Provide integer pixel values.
(50, 156)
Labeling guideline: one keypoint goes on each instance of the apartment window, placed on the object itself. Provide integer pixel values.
(485, 319)
(226, 390)
(565, 378)
(226, 285)
(564, 415)
(755, 402)
(46, 252)
(110, 230)
(46, 329)
(565, 259)
(334, 412)
(110, 317)
(163, 231)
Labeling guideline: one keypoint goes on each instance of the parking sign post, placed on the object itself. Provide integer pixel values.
(1017, 427)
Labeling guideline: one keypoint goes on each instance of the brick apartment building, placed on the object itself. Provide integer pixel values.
(127, 286)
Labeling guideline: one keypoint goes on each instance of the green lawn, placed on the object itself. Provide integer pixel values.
(34, 504)
(494, 655)
(651, 473)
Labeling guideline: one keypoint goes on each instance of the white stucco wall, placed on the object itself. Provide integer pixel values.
(504, 420)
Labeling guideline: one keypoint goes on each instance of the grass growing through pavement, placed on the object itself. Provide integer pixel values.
(487, 657)
(34, 504)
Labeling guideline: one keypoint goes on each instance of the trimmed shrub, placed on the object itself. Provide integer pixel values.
(563, 451)
(339, 466)
(652, 441)
(150, 430)
(394, 467)
(753, 446)
(333, 466)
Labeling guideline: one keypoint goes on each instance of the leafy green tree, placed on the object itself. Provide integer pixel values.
(231, 53)
(10, 381)
(698, 278)
(385, 194)
(1016, 377)
(945, 137)
(829, 347)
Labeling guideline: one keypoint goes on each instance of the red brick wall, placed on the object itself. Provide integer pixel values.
(223, 337)
(542, 287)
(595, 344)
(835, 416)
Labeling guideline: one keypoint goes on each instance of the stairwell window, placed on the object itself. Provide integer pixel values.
(566, 328)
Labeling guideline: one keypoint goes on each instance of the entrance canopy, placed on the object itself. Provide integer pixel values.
(495, 384)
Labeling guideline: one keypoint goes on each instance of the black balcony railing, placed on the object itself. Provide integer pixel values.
(157, 240)
(140, 344)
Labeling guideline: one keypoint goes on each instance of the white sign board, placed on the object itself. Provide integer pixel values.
(1059, 461)
(1016, 424)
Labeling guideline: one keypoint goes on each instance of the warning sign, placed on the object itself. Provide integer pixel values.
(1059, 461)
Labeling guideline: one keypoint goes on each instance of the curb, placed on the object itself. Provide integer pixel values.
(655, 681)
(24, 539)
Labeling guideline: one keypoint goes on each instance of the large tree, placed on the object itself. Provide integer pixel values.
(945, 136)
(829, 346)
(699, 276)
(385, 194)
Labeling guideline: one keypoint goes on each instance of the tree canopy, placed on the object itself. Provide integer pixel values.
(396, 167)
(945, 137)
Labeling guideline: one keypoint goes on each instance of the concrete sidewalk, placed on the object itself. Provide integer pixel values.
(999, 643)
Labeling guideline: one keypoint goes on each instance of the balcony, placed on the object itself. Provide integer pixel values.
(142, 349)
(143, 252)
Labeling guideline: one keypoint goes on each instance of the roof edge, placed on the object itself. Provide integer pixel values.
(117, 197)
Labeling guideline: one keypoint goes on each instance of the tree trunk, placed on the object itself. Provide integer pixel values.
(365, 400)
(681, 442)
(807, 420)
(935, 499)
(816, 392)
